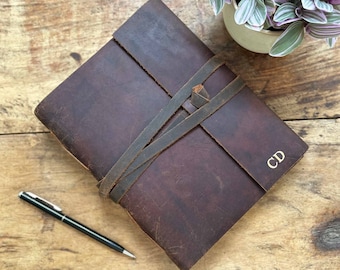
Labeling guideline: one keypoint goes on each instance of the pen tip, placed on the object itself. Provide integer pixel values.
(129, 254)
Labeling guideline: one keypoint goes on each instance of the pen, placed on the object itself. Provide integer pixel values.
(56, 212)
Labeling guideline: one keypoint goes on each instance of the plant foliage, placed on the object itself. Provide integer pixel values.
(318, 18)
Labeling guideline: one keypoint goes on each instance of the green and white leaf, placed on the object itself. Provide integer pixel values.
(289, 40)
(285, 12)
(271, 6)
(308, 4)
(270, 3)
(323, 31)
(333, 17)
(331, 42)
(254, 28)
(315, 16)
(258, 17)
(322, 5)
(244, 11)
(217, 5)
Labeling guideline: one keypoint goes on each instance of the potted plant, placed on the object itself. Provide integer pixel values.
(283, 22)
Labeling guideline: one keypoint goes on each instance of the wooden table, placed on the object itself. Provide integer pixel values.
(295, 226)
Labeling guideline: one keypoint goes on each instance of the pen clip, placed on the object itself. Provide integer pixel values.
(43, 201)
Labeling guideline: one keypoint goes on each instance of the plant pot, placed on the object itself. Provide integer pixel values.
(255, 41)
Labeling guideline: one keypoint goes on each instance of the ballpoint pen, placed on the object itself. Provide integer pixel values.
(56, 212)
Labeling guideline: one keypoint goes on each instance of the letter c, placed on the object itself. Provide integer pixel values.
(271, 164)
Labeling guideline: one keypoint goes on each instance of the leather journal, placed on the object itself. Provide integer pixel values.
(170, 133)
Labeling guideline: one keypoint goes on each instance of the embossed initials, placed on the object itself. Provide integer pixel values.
(276, 159)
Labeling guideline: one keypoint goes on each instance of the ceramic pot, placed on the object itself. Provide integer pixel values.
(255, 41)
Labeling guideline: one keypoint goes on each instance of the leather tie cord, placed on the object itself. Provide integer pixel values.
(117, 170)
(177, 132)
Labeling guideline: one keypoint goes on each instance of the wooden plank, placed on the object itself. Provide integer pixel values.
(303, 85)
(282, 231)
(33, 240)
(43, 42)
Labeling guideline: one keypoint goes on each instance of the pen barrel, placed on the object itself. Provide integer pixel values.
(86, 230)
(56, 212)
(41, 205)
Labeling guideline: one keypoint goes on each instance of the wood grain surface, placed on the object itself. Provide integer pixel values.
(295, 226)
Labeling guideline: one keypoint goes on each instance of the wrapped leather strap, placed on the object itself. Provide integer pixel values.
(109, 181)
(133, 173)
(175, 133)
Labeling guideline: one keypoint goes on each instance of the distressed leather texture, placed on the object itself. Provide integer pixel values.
(191, 194)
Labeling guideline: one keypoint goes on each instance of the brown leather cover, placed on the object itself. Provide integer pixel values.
(195, 190)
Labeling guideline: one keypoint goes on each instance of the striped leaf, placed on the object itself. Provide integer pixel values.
(270, 3)
(314, 16)
(323, 30)
(333, 17)
(308, 4)
(322, 5)
(259, 15)
(290, 39)
(254, 28)
(331, 42)
(271, 6)
(217, 5)
(285, 12)
(244, 11)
